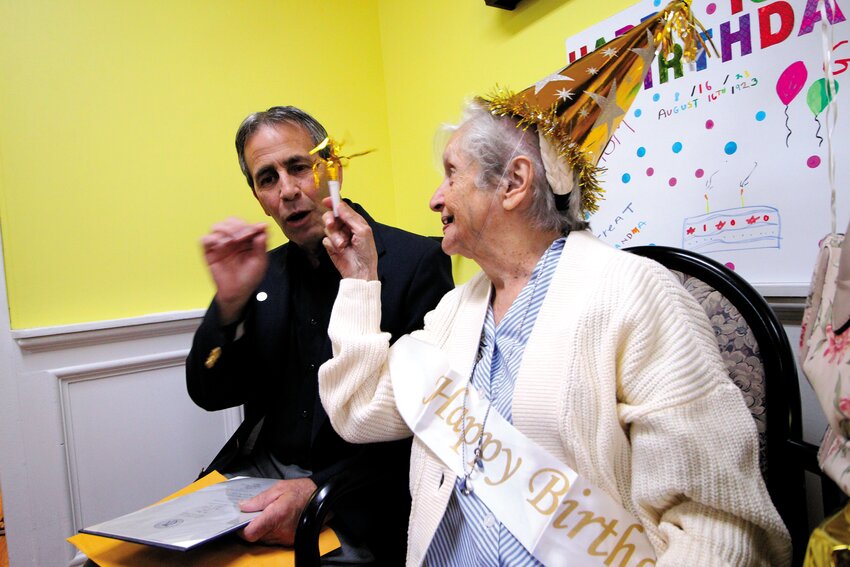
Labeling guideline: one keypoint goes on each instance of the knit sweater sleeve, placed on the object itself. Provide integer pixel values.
(695, 478)
(355, 385)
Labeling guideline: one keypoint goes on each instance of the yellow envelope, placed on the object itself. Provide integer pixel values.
(226, 551)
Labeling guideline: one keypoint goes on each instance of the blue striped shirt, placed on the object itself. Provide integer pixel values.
(469, 534)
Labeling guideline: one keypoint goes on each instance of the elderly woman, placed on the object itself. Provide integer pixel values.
(597, 355)
(568, 403)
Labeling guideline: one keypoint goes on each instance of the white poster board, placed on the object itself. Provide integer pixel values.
(728, 156)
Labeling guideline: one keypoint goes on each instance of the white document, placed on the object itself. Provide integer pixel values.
(188, 520)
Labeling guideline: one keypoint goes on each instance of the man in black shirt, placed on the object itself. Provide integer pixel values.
(264, 337)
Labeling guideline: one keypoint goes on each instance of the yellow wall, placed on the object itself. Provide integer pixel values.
(116, 137)
(117, 123)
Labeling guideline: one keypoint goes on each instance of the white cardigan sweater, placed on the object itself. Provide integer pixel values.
(621, 379)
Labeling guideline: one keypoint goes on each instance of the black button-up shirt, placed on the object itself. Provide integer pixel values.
(287, 432)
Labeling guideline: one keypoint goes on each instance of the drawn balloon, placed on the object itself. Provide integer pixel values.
(789, 85)
(818, 98)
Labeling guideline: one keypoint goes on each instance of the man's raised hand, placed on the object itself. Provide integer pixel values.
(235, 252)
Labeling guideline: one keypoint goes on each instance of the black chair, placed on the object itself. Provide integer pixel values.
(760, 361)
(316, 514)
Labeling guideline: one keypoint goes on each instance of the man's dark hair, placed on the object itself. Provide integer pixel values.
(270, 117)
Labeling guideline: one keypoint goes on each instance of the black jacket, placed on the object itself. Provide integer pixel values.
(414, 275)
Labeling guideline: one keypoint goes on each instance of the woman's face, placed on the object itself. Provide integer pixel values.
(464, 208)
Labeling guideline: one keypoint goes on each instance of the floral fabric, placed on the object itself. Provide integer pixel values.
(738, 348)
(826, 362)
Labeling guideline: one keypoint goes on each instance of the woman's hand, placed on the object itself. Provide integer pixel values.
(350, 244)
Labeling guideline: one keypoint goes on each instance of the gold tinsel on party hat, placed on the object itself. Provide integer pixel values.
(577, 109)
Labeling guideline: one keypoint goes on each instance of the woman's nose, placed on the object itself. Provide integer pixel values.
(437, 202)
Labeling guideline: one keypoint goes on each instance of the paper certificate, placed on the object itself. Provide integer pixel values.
(189, 520)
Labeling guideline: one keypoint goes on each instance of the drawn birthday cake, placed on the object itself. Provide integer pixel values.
(741, 228)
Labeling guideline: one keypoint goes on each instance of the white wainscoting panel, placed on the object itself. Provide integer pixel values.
(106, 427)
(131, 431)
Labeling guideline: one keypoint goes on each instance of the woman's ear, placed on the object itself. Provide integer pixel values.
(519, 178)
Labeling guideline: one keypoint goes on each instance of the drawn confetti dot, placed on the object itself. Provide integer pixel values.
(677, 147)
(730, 265)
(699, 173)
(641, 151)
(626, 178)
(650, 171)
(673, 181)
(730, 148)
(813, 161)
(711, 8)
(656, 3)
(656, 97)
(760, 115)
(709, 124)
(638, 112)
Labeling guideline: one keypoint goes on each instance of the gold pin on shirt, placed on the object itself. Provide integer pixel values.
(215, 354)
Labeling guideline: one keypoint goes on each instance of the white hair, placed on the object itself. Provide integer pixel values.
(492, 142)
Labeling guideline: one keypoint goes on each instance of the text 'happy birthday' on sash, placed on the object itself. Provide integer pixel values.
(569, 509)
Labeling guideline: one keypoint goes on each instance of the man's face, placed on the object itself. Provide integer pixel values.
(279, 160)
(464, 208)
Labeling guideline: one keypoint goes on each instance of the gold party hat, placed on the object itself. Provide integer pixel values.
(577, 109)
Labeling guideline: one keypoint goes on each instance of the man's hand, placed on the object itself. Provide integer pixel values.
(350, 243)
(235, 252)
(281, 505)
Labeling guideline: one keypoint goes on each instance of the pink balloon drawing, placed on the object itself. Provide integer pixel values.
(789, 85)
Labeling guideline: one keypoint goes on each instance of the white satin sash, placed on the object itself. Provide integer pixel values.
(556, 515)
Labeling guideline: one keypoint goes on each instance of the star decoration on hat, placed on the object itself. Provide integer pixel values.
(609, 52)
(610, 109)
(565, 94)
(538, 86)
(592, 71)
(646, 54)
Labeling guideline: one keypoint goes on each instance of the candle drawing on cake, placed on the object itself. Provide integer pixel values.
(738, 228)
